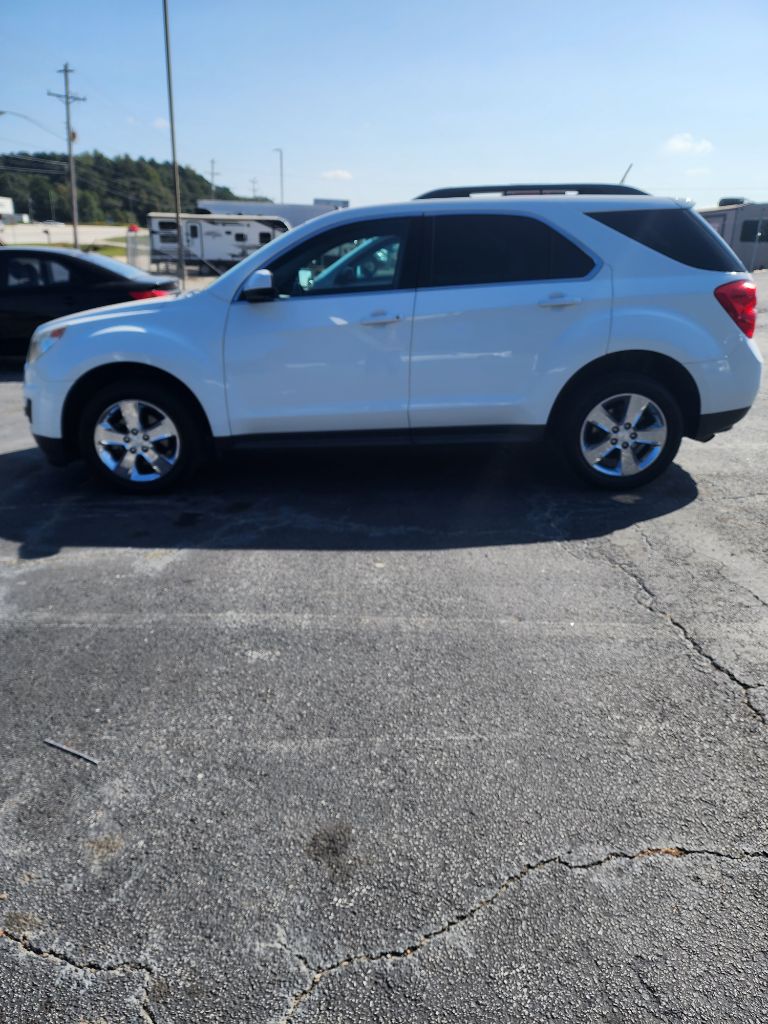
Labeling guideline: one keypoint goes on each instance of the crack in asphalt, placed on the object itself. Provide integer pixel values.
(651, 603)
(89, 967)
(717, 564)
(652, 992)
(319, 974)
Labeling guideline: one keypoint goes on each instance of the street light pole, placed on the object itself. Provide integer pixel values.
(31, 120)
(176, 187)
(278, 150)
(69, 99)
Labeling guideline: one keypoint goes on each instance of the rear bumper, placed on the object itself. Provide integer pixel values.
(54, 449)
(712, 423)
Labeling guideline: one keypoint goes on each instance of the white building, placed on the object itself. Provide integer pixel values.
(293, 213)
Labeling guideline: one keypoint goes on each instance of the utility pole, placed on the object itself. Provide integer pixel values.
(182, 269)
(278, 150)
(69, 98)
(213, 179)
(254, 182)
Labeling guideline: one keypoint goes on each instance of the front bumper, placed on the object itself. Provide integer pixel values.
(718, 422)
(54, 449)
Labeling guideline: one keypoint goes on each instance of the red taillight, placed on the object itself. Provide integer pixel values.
(152, 293)
(739, 300)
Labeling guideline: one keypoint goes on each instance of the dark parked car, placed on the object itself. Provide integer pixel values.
(39, 283)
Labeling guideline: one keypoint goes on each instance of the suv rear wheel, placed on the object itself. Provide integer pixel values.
(620, 431)
(140, 436)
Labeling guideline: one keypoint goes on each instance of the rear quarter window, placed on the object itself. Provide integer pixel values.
(680, 235)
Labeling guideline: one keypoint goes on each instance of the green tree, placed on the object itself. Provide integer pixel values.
(118, 189)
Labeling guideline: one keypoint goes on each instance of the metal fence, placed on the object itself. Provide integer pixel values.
(137, 250)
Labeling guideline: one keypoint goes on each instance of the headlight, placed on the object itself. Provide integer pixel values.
(41, 341)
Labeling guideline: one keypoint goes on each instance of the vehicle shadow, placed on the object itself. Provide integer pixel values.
(373, 499)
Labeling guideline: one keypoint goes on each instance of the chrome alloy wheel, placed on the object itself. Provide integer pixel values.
(623, 435)
(137, 441)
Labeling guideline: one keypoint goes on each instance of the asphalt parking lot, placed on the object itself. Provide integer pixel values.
(385, 736)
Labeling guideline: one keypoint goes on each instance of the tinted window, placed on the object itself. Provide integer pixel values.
(110, 268)
(679, 234)
(356, 257)
(58, 272)
(488, 249)
(749, 230)
(22, 272)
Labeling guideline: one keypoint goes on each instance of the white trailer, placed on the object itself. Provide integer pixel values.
(744, 226)
(213, 241)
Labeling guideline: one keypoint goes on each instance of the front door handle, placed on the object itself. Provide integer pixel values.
(379, 319)
(558, 300)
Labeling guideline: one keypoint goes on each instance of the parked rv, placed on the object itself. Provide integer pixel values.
(744, 226)
(211, 241)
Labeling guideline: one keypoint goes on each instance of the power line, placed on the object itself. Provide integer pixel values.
(31, 120)
(36, 159)
(84, 172)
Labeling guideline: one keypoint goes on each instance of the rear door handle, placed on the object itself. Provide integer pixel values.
(559, 300)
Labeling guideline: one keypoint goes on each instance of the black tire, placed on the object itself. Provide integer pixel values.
(642, 462)
(177, 457)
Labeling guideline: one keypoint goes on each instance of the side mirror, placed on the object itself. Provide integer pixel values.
(259, 287)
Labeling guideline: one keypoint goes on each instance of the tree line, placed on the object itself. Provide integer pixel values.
(120, 190)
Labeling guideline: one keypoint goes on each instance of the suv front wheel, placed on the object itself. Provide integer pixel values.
(140, 436)
(620, 431)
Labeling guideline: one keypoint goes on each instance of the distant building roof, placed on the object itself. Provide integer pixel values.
(294, 213)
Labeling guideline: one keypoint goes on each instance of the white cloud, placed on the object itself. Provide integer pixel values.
(684, 142)
(160, 122)
(337, 175)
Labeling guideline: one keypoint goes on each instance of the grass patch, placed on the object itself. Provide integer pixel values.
(116, 251)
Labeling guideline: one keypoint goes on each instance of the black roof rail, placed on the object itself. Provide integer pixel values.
(465, 191)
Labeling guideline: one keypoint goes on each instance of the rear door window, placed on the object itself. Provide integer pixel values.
(75, 273)
(499, 248)
(60, 271)
(680, 235)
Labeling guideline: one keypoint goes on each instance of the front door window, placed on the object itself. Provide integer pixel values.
(354, 258)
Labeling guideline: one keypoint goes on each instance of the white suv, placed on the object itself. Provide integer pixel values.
(614, 323)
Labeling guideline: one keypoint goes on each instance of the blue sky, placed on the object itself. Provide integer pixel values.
(377, 103)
